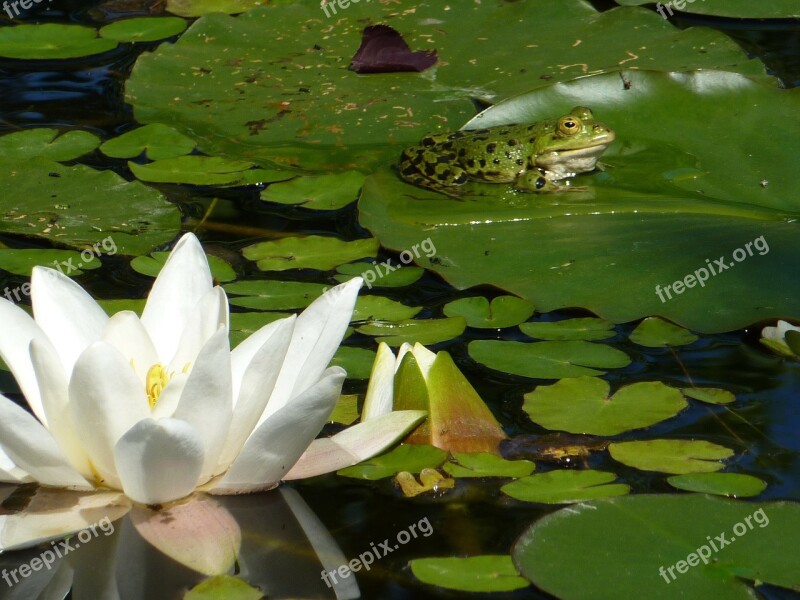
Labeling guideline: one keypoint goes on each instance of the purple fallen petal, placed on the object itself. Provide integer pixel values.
(383, 50)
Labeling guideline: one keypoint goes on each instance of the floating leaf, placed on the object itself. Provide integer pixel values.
(504, 311)
(376, 275)
(198, 8)
(671, 456)
(721, 484)
(69, 262)
(47, 143)
(407, 457)
(151, 266)
(565, 486)
(245, 324)
(709, 395)
(740, 9)
(472, 574)
(346, 410)
(118, 305)
(223, 587)
(583, 405)
(423, 331)
(654, 332)
(356, 361)
(643, 536)
(323, 192)
(547, 360)
(589, 329)
(143, 29)
(310, 252)
(194, 170)
(430, 480)
(157, 141)
(382, 309)
(51, 41)
(485, 464)
(269, 294)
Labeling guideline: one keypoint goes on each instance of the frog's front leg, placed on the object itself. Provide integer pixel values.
(539, 181)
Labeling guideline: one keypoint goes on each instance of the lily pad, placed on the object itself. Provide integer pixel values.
(143, 29)
(737, 485)
(51, 41)
(223, 587)
(346, 410)
(116, 305)
(583, 405)
(485, 464)
(323, 192)
(740, 9)
(69, 262)
(356, 361)
(194, 170)
(47, 143)
(658, 333)
(197, 8)
(671, 456)
(547, 360)
(157, 141)
(504, 311)
(644, 536)
(564, 486)
(152, 265)
(407, 457)
(270, 294)
(588, 329)
(489, 573)
(382, 309)
(70, 206)
(310, 252)
(245, 324)
(377, 276)
(710, 395)
(424, 331)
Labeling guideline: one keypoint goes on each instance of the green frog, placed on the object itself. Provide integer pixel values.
(533, 157)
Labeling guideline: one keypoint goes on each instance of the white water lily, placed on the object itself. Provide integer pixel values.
(158, 407)
(775, 338)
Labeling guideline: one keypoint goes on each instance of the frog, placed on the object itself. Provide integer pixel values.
(534, 157)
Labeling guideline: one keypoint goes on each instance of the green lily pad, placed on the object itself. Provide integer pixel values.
(792, 339)
(565, 486)
(424, 331)
(642, 537)
(504, 311)
(740, 9)
(197, 8)
(119, 304)
(69, 262)
(671, 456)
(310, 252)
(658, 333)
(270, 294)
(588, 329)
(583, 405)
(152, 265)
(710, 395)
(721, 484)
(194, 170)
(490, 573)
(485, 464)
(234, 67)
(377, 276)
(51, 41)
(547, 360)
(70, 206)
(47, 143)
(143, 29)
(223, 587)
(382, 309)
(407, 457)
(244, 324)
(323, 192)
(356, 361)
(346, 410)
(157, 141)
(668, 178)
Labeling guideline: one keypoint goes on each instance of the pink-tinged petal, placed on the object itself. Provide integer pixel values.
(54, 514)
(106, 399)
(182, 282)
(380, 392)
(67, 314)
(206, 400)
(278, 442)
(205, 319)
(31, 447)
(54, 388)
(255, 388)
(159, 461)
(18, 331)
(355, 444)
(199, 534)
(317, 335)
(126, 333)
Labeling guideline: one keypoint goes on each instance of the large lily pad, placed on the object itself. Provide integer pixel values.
(742, 9)
(209, 82)
(671, 200)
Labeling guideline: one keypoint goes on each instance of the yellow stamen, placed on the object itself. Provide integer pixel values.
(157, 379)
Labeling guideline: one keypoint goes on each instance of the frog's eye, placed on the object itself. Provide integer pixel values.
(569, 125)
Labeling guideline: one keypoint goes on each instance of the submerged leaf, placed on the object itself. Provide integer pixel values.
(658, 333)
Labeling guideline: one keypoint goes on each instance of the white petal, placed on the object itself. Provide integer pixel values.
(170, 397)
(159, 461)
(31, 447)
(380, 392)
(317, 335)
(277, 444)
(67, 314)
(182, 282)
(255, 387)
(424, 358)
(126, 333)
(107, 399)
(11, 473)
(354, 444)
(206, 399)
(203, 321)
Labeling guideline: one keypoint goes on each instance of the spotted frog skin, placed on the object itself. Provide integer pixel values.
(533, 157)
